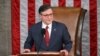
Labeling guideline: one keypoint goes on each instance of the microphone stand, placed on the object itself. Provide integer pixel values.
(38, 49)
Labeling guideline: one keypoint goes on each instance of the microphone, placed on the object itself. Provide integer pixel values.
(42, 32)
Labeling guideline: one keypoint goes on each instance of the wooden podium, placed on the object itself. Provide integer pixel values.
(42, 54)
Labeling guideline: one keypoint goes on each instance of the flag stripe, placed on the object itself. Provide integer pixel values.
(31, 12)
(54, 3)
(85, 4)
(98, 16)
(46, 2)
(77, 3)
(85, 32)
(61, 3)
(93, 28)
(23, 23)
(69, 3)
(38, 3)
(31, 15)
(15, 5)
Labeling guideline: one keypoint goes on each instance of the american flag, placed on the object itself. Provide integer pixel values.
(25, 13)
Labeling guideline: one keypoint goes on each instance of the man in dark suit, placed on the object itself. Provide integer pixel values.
(48, 35)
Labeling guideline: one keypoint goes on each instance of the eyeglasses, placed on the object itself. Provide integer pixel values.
(46, 15)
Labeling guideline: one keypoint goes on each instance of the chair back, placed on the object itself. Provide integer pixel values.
(73, 18)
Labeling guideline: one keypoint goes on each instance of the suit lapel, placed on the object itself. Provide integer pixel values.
(53, 35)
(41, 36)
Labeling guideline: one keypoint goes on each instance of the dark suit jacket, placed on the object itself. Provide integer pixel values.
(59, 38)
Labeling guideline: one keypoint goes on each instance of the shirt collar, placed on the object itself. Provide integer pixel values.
(44, 25)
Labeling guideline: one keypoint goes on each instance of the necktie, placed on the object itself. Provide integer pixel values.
(46, 36)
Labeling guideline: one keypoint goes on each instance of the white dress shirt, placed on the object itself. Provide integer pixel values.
(49, 27)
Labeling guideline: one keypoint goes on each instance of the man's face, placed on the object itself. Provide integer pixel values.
(47, 16)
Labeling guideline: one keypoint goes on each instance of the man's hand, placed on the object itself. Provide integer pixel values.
(65, 51)
(26, 50)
